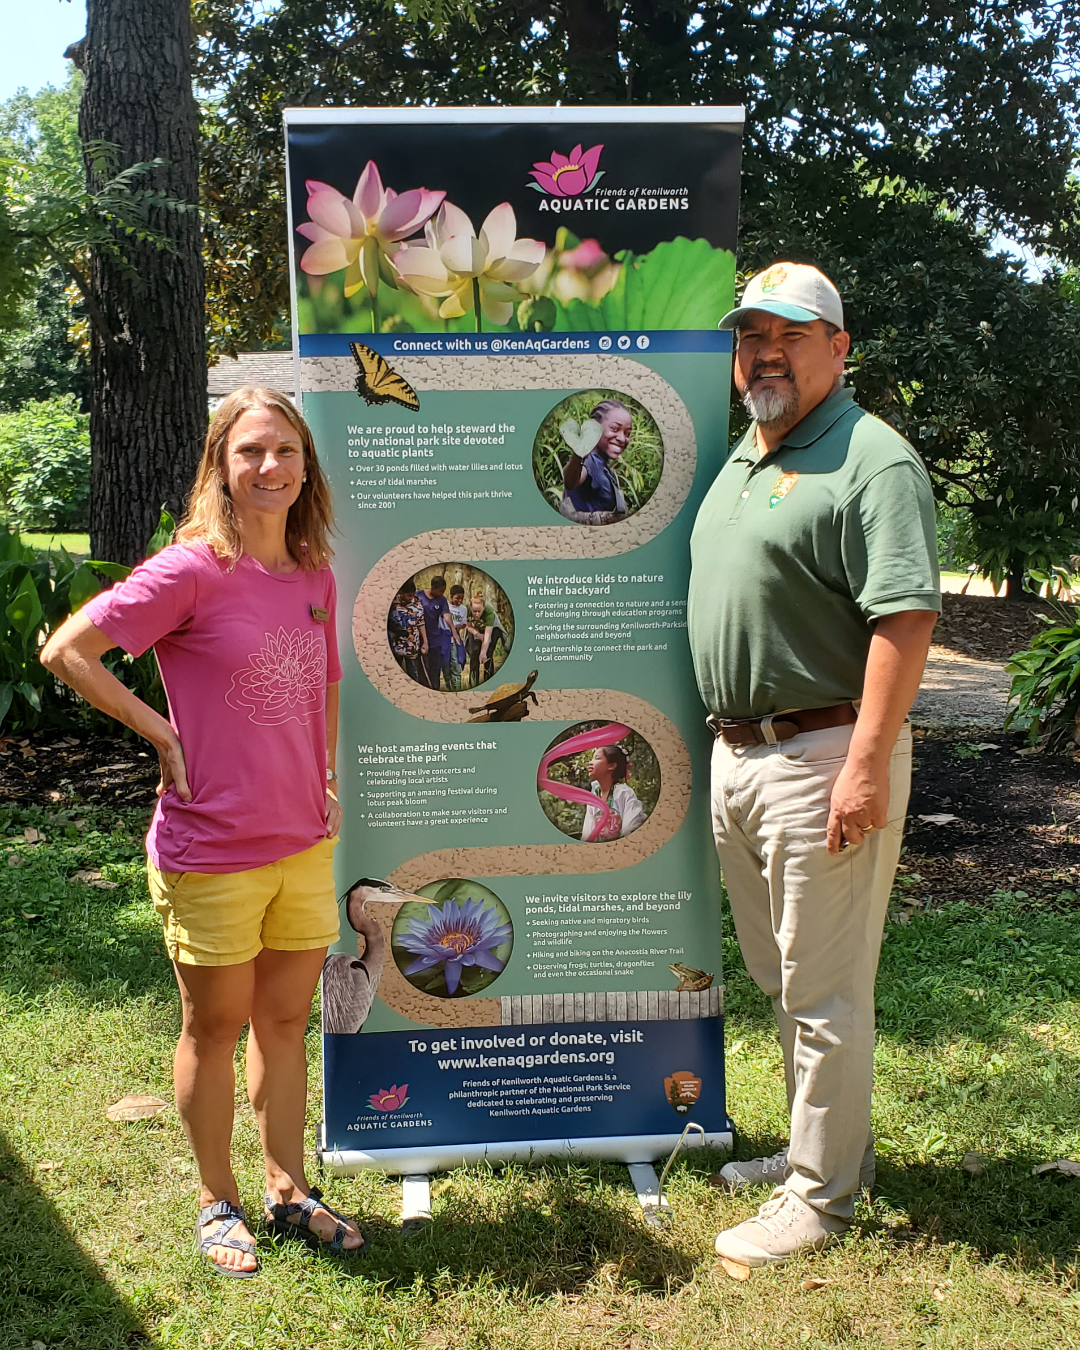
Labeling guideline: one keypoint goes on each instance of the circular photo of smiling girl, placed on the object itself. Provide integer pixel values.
(598, 457)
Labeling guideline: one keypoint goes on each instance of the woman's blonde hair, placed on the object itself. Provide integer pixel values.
(209, 516)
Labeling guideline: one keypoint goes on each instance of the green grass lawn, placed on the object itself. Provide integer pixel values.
(78, 545)
(978, 1050)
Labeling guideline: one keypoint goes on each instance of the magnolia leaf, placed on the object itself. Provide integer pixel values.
(135, 1107)
(811, 1283)
(581, 439)
(975, 1163)
(986, 745)
(941, 819)
(734, 1269)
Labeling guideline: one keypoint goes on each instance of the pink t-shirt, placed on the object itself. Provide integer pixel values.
(245, 662)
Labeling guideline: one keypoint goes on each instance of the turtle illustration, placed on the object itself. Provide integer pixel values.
(508, 703)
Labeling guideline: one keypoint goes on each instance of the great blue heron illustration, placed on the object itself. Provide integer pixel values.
(349, 983)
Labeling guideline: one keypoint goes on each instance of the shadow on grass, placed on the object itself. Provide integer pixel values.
(539, 1232)
(50, 1290)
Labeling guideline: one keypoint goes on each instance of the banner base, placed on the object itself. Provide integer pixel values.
(646, 1148)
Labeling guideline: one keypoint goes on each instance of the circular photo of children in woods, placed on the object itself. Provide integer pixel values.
(598, 457)
(450, 627)
(457, 944)
(598, 781)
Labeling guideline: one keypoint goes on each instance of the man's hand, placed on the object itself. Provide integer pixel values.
(333, 815)
(173, 770)
(860, 802)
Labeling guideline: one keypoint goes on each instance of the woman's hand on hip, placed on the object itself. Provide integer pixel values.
(173, 770)
(333, 816)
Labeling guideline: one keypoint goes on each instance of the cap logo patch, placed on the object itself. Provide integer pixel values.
(782, 487)
(773, 279)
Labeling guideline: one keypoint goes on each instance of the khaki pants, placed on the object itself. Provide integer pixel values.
(809, 925)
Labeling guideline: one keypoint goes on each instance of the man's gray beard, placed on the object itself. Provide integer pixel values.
(771, 405)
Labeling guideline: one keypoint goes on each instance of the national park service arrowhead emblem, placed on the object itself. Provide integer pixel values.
(683, 1089)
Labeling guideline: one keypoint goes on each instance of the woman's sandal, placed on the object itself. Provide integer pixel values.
(278, 1218)
(230, 1215)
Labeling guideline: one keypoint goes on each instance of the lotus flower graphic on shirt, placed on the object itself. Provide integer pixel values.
(389, 1099)
(567, 175)
(284, 682)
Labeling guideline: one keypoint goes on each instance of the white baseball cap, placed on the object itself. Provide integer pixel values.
(792, 290)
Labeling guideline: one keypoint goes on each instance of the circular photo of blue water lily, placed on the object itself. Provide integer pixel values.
(455, 945)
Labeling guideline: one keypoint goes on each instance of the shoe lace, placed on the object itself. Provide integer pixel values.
(777, 1163)
(771, 1215)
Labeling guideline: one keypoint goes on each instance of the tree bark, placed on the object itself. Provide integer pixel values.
(148, 372)
(593, 73)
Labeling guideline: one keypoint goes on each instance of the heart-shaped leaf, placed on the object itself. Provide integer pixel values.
(581, 439)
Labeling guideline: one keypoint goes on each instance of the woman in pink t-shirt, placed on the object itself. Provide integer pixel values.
(240, 612)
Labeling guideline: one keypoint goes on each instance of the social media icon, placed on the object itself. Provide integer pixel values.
(604, 343)
(624, 343)
(643, 341)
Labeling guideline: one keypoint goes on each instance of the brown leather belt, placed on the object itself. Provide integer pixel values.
(751, 731)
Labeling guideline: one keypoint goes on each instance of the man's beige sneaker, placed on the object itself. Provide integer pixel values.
(783, 1227)
(775, 1171)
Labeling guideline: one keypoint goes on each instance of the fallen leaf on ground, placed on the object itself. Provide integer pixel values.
(135, 1107)
(734, 1269)
(47, 1166)
(986, 745)
(1064, 1165)
(84, 875)
(975, 1163)
(810, 1284)
(14, 860)
(31, 835)
(26, 915)
(716, 1180)
(942, 818)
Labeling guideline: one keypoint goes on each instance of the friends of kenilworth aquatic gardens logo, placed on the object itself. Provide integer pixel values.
(389, 1099)
(567, 175)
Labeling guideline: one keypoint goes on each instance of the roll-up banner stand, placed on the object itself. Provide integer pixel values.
(506, 341)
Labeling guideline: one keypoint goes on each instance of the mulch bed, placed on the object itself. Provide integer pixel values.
(1015, 819)
(55, 768)
(992, 630)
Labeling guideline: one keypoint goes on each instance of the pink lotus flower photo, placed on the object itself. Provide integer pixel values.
(389, 1099)
(471, 272)
(568, 175)
(364, 233)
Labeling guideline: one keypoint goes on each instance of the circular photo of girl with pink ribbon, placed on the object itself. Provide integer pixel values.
(598, 781)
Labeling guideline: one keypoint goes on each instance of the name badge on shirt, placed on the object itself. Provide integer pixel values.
(319, 614)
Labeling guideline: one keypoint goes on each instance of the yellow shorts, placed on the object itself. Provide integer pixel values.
(227, 918)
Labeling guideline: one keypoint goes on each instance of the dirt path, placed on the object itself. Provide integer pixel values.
(961, 691)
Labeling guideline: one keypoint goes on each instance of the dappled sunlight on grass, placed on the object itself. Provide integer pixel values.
(979, 1039)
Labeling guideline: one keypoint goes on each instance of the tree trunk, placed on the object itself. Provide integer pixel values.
(1014, 589)
(593, 73)
(148, 373)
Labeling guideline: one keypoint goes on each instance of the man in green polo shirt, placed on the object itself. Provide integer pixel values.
(813, 594)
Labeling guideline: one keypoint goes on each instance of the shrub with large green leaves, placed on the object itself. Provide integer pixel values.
(45, 465)
(1046, 681)
(37, 593)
